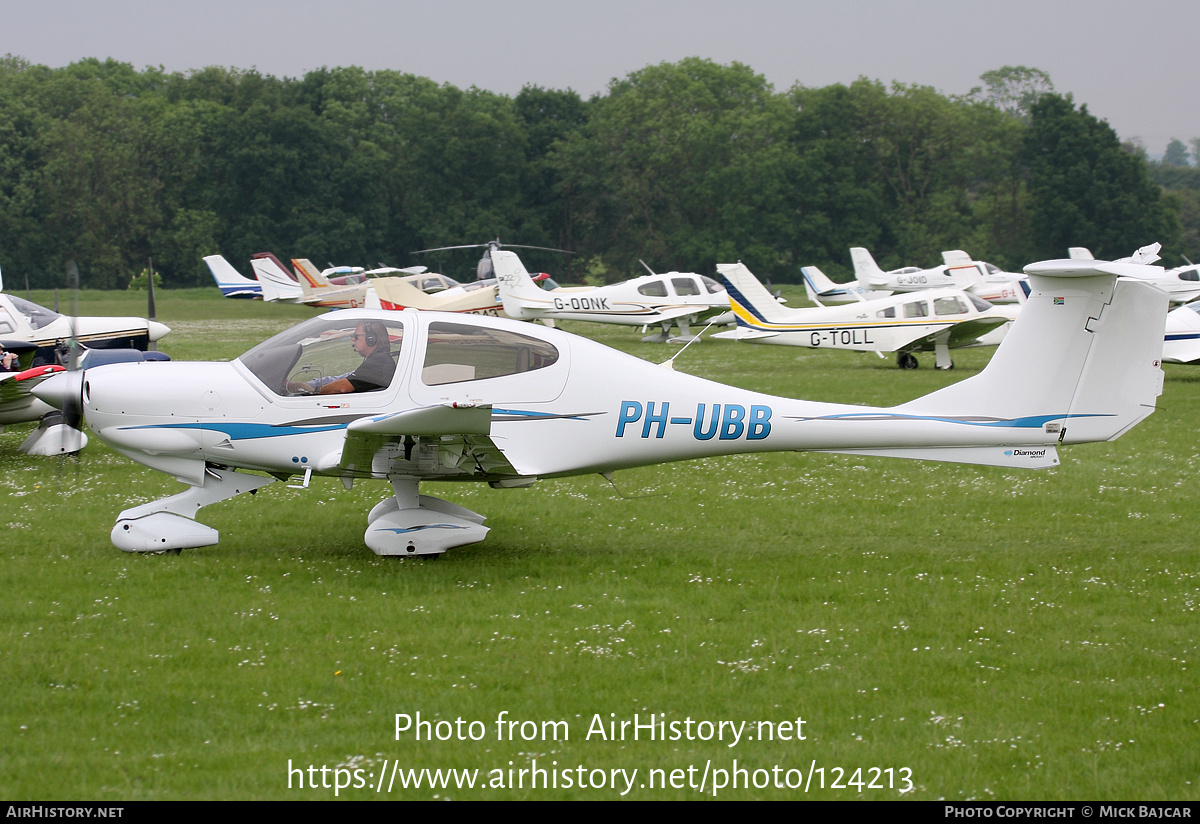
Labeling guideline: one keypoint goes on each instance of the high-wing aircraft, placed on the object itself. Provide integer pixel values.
(1182, 284)
(473, 398)
(958, 271)
(36, 335)
(665, 299)
(932, 319)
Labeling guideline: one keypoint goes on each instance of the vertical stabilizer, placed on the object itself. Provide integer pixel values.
(1083, 356)
(231, 282)
(820, 288)
(520, 295)
(276, 284)
(309, 276)
(750, 299)
(866, 270)
(963, 272)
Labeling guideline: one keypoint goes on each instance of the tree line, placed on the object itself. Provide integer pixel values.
(682, 165)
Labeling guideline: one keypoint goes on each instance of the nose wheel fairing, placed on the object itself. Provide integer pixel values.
(170, 523)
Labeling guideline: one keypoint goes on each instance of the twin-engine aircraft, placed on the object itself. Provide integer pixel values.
(38, 337)
(931, 319)
(407, 397)
(665, 299)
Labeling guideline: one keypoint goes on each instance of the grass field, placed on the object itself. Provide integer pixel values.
(997, 635)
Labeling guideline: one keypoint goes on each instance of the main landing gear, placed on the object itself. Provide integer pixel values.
(409, 523)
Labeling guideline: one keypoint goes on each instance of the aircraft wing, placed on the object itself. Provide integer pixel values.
(449, 440)
(674, 313)
(15, 389)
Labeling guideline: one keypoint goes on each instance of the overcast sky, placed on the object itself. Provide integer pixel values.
(1137, 65)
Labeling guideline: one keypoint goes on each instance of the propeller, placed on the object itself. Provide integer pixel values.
(151, 344)
(72, 408)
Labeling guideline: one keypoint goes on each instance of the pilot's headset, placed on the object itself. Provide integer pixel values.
(373, 333)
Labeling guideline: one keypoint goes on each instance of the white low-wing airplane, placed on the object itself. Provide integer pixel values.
(958, 271)
(1182, 338)
(35, 334)
(666, 299)
(473, 398)
(1181, 284)
(932, 319)
(821, 290)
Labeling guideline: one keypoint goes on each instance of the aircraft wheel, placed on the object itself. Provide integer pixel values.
(906, 360)
(174, 551)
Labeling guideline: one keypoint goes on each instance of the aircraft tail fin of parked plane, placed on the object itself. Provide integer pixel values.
(1077, 362)
(821, 289)
(309, 276)
(749, 297)
(866, 269)
(231, 282)
(518, 291)
(277, 285)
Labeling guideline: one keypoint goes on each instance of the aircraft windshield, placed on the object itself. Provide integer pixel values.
(318, 352)
(980, 304)
(38, 316)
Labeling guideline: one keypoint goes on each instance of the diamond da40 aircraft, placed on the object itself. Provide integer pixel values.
(451, 397)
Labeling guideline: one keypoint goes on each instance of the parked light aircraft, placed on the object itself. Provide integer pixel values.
(316, 287)
(932, 319)
(958, 271)
(1181, 284)
(474, 398)
(664, 299)
(821, 290)
(1182, 336)
(231, 282)
(277, 285)
(36, 335)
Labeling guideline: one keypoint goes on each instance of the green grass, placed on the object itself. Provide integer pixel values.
(1003, 635)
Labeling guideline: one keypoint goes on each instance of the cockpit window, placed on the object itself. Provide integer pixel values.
(457, 352)
(685, 286)
(38, 316)
(711, 285)
(952, 305)
(318, 352)
(979, 303)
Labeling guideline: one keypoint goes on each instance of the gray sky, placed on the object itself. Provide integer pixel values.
(1137, 65)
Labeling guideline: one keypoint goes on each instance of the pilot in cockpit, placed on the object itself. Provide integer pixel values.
(371, 343)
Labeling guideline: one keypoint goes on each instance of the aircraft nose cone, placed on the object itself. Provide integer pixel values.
(59, 390)
(158, 330)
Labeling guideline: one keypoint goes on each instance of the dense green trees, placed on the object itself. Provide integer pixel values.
(681, 164)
